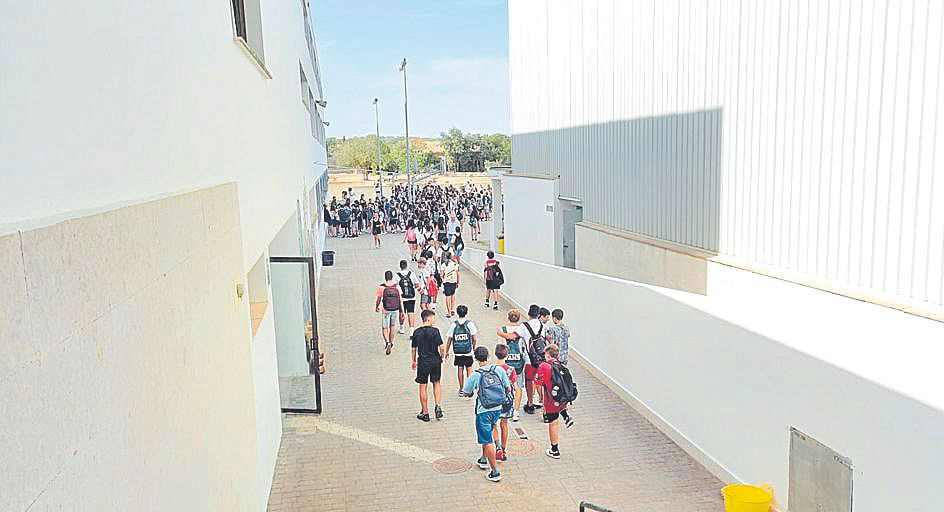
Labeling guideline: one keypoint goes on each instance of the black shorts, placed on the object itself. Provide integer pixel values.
(463, 361)
(345, 224)
(492, 285)
(449, 289)
(409, 305)
(376, 231)
(551, 417)
(428, 373)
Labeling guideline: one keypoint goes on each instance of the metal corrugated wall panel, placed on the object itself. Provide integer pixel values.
(803, 135)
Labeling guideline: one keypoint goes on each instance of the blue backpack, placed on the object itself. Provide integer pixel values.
(491, 390)
(461, 339)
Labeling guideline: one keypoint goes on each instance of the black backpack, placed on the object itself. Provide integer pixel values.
(497, 276)
(563, 387)
(536, 345)
(406, 285)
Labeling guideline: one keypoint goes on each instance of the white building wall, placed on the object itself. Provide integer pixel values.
(825, 159)
(103, 106)
(728, 375)
(529, 226)
(150, 99)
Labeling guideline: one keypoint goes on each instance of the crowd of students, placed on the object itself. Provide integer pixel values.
(528, 362)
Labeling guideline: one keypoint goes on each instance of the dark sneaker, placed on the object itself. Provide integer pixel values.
(439, 413)
(529, 409)
(552, 454)
(482, 462)
(495, 307)
(423, 416)
(388, 348)
(500, 456)
(569, 421)
(493, 476)
(538, 406)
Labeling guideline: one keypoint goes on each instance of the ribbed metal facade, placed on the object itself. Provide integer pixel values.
(805, 135)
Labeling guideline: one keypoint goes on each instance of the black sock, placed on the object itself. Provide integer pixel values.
(564, 414)
(554, 448)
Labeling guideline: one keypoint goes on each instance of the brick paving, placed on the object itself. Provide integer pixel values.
(368, 452)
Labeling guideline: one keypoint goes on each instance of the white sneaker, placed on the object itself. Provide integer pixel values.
(400, 330)
(514, 417)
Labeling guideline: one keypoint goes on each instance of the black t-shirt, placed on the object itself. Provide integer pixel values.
(426, 340)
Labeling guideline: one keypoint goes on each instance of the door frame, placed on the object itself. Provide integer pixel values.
(312, 350)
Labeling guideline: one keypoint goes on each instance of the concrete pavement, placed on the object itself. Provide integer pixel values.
(368, 452)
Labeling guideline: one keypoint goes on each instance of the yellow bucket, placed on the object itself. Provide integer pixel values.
(501, 244)
(746, 498)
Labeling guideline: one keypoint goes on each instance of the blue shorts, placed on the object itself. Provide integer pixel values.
(389, 319)
(484, 423)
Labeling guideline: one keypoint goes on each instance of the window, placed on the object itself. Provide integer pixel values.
(247, 22)
(306, 90)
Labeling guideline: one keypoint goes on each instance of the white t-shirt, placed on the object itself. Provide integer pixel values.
(522, 331)
(450, 272)
(452, 327)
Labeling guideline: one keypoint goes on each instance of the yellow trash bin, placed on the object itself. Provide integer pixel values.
(746, 498)
(501, 244)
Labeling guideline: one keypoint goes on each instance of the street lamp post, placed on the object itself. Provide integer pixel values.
(406, 119)
(379, 168)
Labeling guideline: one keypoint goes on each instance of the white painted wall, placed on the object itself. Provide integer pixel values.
(152, 98)
(733, 373)
(265, 380)
(126, 372)
(831, 121)
(529, 227)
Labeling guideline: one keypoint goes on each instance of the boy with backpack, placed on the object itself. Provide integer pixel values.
(559, 334)
(408, 283)
(427, 355)
(389, 296)
(493, 387)
(494, 278)
(462, 341)
(533, 332)
(501, 353)
(559, 391)
(517, 355)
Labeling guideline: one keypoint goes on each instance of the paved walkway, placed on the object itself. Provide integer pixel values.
(368, 452)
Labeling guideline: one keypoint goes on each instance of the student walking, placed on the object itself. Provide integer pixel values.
(559, 391)
(376, 229)
(408, 283)
(462, 341)
(501, 353)
(388, 296)
(458, 245)
(533, 332)
(491, 385)
(410, 237)
(494, 278)
(559, 334)
(427, 356)
(424, 275)
(517, 353)
(450, 277)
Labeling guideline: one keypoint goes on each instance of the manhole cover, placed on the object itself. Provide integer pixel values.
(452, 465)
(520, 447)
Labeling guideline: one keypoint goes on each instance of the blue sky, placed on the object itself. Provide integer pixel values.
(457, 54)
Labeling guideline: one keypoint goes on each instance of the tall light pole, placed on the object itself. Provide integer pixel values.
(406, 119)
(380, 177)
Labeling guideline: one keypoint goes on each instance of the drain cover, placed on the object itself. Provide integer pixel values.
(521, 447)
(452, 465)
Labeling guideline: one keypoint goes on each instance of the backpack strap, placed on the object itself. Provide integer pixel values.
(530, 330)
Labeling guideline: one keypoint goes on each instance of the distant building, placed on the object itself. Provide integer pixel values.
(154, 156)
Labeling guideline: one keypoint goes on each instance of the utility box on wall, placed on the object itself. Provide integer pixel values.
(820, 478)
